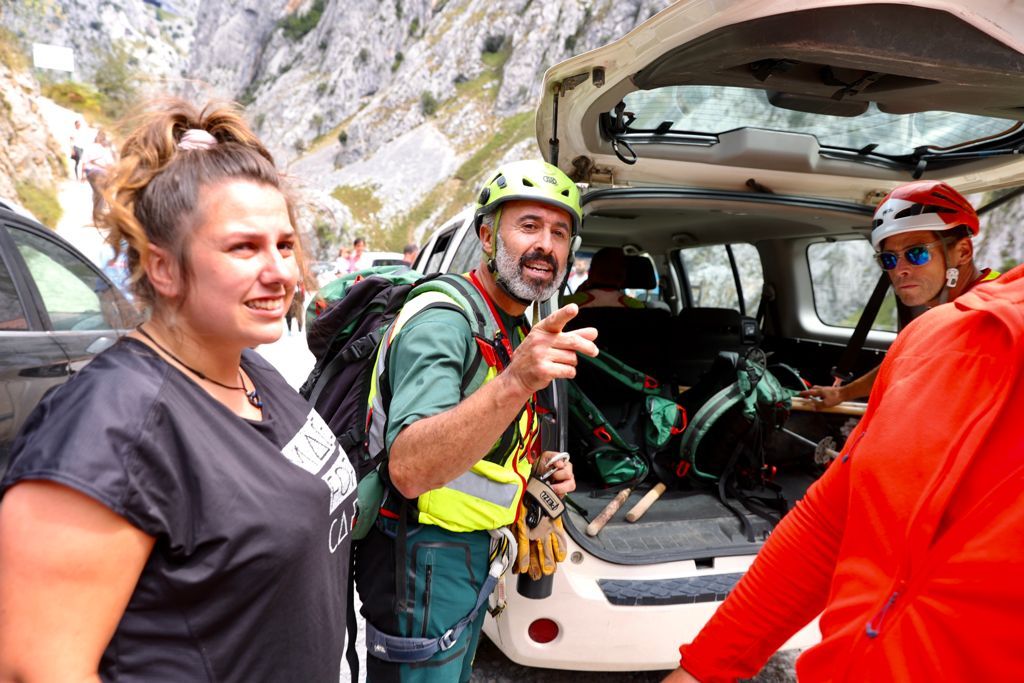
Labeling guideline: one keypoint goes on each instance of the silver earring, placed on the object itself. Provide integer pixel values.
(952, 277)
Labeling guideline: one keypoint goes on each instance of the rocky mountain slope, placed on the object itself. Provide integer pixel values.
(392, 109)
(387, 112)
(31, 160)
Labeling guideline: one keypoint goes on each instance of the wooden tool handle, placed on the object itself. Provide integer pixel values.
(845, 408)
(609, 511)
(647, 501)
(812, 406)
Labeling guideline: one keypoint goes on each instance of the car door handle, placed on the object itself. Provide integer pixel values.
(47, 371)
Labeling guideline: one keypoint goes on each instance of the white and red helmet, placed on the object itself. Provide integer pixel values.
(922, 205)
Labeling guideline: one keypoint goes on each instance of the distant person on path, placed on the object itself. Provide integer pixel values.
(97, 159)
(409, 254)
(580, 270)
(295, 310)
(357, 258)
(911, 540)
(79, 139)
(341, 263)
(175, 511)
(922, 239)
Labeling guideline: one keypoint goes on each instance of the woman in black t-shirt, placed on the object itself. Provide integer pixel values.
(175, 511)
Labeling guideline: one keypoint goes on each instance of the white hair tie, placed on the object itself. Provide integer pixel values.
(196, 139)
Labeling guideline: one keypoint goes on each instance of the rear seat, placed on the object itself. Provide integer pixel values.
(637, 336)
(699, 334)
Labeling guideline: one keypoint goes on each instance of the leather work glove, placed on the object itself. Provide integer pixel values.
(539, 531)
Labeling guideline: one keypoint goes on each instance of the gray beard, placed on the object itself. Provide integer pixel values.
(511, 273)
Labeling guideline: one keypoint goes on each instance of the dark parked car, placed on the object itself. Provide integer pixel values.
(57, 311)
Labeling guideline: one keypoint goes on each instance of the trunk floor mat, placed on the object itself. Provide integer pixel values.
(682, 524)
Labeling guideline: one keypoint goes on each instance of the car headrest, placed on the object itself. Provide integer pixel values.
(607, 269)
(640, 273)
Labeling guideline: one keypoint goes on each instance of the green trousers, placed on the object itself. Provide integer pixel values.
(441, 576)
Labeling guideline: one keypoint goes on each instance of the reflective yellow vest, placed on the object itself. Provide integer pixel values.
(487, 496)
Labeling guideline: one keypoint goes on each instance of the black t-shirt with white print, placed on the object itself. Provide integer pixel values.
(247, 579)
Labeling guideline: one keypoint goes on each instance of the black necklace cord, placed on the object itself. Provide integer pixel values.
(252, 396)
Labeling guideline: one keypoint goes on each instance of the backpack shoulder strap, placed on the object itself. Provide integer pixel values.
(707, 415)
(484, 328)
(463, 293)
(626, 375)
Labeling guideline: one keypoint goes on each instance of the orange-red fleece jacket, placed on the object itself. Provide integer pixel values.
(913, 540)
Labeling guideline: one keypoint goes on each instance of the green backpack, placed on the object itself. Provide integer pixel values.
(734, 408)
(741, 391)
(621, 450)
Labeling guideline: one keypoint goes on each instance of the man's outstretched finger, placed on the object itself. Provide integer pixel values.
(557, 320)
(574, 341)
(587, 333)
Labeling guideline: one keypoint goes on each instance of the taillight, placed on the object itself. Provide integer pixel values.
(543, 631)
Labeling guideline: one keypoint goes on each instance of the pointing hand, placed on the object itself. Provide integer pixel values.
(549, 352)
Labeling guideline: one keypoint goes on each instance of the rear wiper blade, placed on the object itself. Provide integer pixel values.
(921, 157)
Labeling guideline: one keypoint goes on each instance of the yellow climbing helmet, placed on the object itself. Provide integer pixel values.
(530, 180)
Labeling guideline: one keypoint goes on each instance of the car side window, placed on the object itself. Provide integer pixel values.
(714, 284)
(434, 259)
(12, 313)
(843, 275)
(74, 295)
(467, 255)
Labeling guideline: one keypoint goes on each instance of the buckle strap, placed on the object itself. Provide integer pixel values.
(362, 348)
(406, 650)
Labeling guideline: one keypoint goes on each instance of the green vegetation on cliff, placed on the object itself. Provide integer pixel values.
(42, 202)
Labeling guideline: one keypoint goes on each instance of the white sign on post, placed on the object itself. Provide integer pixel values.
(53, 57)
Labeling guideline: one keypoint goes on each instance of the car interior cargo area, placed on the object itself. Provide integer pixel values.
(689, 520)
(692, 402)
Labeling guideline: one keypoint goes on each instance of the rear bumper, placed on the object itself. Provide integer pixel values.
(618, 617)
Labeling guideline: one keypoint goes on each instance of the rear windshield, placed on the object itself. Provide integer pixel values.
(713, 110)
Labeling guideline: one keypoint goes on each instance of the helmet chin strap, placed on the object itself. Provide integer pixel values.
(500, 281)
(492, 263)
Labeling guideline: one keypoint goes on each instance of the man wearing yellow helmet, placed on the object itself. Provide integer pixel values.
(922, 238)
(461, 432)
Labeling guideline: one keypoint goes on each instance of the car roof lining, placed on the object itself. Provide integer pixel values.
(791, 52)
(658, 225)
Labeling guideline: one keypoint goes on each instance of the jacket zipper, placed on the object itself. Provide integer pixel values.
(874, 626)
(853, 447)
(426, 598)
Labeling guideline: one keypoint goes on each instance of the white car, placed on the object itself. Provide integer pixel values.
(328, 271)
(740, 148)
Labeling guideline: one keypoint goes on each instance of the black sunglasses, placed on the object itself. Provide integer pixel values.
(917, 255)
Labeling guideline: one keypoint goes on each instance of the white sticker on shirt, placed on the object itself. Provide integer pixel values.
(341, 479)
(312, 446)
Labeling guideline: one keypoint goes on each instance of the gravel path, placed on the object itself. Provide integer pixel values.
(493, 667)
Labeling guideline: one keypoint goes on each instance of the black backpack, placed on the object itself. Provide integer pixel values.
(346, 324)
(734, 409)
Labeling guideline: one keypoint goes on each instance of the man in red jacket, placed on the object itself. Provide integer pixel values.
(912, 542)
